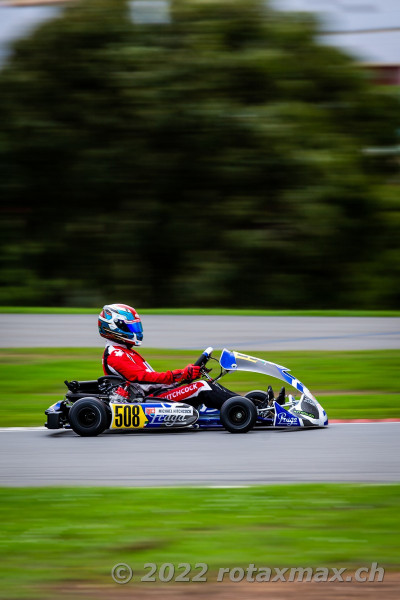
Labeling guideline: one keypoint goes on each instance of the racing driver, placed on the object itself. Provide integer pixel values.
(121, 326)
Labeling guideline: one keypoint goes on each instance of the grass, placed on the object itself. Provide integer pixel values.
(361, 384)
(55, 536)
(209, 311)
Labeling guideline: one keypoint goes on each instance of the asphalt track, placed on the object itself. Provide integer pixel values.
(198, 332)
(342, 452)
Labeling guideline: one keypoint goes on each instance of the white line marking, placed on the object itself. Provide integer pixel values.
(5, 429)
(22, 429)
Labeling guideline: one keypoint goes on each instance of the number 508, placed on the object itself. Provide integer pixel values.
(127, 416)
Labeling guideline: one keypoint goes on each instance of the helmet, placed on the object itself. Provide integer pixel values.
(121, 323)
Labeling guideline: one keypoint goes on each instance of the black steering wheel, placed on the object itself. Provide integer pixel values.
(203, 358)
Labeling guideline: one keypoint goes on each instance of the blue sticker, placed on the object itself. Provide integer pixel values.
(228, 360)
(283, 418)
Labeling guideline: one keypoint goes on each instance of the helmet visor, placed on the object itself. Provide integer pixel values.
(132, 328)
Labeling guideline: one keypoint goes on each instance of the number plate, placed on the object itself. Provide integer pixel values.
(128, 416)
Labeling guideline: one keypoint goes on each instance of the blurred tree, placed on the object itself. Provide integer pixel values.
(217, 158)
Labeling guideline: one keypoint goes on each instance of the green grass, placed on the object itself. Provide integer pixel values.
(53, 536)
(208, 311)
(350, 385)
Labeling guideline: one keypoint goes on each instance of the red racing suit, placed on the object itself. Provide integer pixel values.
(119, 360)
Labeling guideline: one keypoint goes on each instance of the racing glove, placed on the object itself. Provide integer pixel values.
(191, 372)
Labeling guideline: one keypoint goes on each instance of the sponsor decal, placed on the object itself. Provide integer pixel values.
(245, 357)
(169, 419)
(175, 411)
(287, 420)
(150, 410)
(304, 413)
(186, 391)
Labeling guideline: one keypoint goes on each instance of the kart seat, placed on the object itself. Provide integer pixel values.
(84, 387)
(112, 379)
(93, 386)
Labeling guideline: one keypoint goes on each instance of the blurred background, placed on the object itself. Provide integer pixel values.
(203, 153)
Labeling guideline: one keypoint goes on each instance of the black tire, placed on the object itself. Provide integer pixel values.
(257, 397)
(238, 414)
(88, 417)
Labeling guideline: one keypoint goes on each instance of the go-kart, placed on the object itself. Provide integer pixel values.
(90, 407)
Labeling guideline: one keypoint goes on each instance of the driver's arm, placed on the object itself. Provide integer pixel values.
(132, 371)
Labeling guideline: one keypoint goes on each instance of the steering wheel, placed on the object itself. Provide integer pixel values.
(204, 357)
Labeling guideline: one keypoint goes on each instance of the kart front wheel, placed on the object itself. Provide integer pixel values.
(88, 417)
(238, 414)
(257, 397)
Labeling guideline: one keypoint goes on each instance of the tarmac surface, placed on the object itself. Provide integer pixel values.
(342, 452)
(199, 332)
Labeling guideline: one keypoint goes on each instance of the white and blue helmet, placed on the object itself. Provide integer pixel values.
(121, 323)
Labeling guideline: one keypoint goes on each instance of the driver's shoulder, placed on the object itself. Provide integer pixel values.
(119, 350)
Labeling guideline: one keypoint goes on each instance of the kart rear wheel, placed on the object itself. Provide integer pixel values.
(238, 414)
(88, 417)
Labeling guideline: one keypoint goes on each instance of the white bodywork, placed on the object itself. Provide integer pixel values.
(293, 413)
